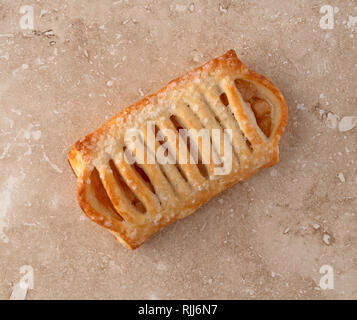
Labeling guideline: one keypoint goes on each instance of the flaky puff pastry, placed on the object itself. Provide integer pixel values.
(135, 200)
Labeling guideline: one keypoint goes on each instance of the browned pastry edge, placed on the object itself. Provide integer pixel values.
(80, 152)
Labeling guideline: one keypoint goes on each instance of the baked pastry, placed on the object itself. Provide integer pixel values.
(133, 200)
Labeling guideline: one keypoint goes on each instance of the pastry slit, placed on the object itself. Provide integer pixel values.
(225, 100)
(213, 148)
(243, 114)
(189, 172)
(157, 144)
(176, 178)
(217, 123)
(101, 193)
(209, 120)
(141, 172)
(153, 176)
(194, 122)
(156, 178)
(124, 201)
(261, 108)
(183, 120)
(227, 120)
(136, 183)
(129, 194)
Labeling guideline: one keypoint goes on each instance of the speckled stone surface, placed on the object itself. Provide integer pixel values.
(264, 238)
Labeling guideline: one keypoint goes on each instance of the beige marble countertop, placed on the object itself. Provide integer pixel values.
(264, 238)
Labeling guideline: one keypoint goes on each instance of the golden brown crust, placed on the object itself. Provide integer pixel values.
(104, 201)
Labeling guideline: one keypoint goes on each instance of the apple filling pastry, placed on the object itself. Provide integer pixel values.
(160, 159)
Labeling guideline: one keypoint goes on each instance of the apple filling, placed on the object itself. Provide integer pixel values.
(261, 108)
